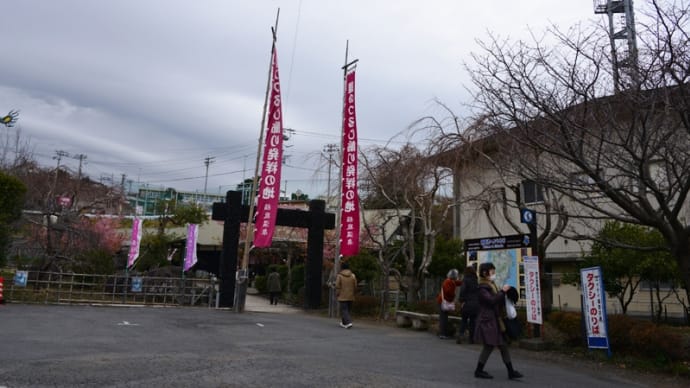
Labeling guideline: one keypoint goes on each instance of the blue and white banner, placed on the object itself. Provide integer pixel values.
(594, 307)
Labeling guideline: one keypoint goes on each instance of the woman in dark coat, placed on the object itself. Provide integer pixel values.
(490, 326)
(469, 297)
(273, 285)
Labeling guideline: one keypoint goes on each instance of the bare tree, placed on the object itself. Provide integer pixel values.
(58, 233)
(487, 187)
(409, 181)
(623, 156)
(15, 150)
(381, 231)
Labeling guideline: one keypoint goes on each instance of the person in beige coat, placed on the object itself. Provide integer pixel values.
(345, 286)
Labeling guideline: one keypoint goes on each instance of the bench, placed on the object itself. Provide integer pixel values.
(418, 321)
(455, 320)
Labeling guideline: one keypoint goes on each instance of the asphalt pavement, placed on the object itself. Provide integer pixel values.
(265, 346)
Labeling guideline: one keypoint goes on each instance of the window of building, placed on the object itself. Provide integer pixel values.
(531, 191)
(646, 285)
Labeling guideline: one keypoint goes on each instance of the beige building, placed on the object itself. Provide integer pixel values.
(490, 190)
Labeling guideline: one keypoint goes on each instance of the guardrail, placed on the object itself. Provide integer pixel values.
(69, 288)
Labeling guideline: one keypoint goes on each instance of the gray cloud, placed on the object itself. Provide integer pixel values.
(149, 88)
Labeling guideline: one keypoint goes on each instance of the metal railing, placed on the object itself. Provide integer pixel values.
(70, 288)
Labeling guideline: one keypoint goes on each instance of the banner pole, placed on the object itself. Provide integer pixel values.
(333, 302)
(124, 293)
(241, 284)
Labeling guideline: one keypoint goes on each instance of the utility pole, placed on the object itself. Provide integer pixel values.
(81, 158)
(59, 154)
(329, 149)
(50, 202)
(207, 161)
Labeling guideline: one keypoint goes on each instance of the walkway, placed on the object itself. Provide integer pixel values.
(260, 304)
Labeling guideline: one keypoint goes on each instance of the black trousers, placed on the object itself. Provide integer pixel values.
(274, 297)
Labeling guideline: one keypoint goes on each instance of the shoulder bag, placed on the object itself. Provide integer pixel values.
(446, 305)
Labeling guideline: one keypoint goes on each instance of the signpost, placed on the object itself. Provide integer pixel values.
(529, 217)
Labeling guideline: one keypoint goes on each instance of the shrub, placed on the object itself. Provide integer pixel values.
(365, 305)
(260, 283)
(568, 323)
(658, 343)
(619, 330)
(297, 274)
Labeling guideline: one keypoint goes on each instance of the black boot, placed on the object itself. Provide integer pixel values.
(479, 372)
(512, 373)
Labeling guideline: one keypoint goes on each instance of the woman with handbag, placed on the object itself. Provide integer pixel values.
(446, 301)
(490, 327)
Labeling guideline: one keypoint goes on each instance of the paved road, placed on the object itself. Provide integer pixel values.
(266, 346)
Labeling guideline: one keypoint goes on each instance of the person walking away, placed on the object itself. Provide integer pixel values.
(448, 293)
(469, 297)
(345, 287)
(273, 286)
(490, 328)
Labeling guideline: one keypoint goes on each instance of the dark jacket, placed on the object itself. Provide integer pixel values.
(490, 327)
(273, 282)
(469, 296)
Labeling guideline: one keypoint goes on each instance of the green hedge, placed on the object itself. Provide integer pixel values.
(631, 336)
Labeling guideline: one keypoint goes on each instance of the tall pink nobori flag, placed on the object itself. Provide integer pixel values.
(349, 200)
(135, 242)
(269, 186)
(190, 252)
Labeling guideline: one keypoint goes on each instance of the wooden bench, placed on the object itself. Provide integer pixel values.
(418, 321)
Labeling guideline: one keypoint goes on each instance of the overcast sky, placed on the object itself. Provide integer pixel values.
(150, 88)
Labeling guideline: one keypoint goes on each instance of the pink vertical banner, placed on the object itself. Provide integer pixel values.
(269, 186)
(190, 251)
(349, 204)
(135, 241)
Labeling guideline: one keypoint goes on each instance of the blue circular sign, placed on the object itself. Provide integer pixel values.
(527, 216)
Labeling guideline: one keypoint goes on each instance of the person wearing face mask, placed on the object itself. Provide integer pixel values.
(490, 328)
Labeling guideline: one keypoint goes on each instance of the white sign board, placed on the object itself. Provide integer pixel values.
(594, 306)
(532, 289)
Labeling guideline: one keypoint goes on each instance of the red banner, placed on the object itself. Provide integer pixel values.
(269, 186)
(349, 204)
